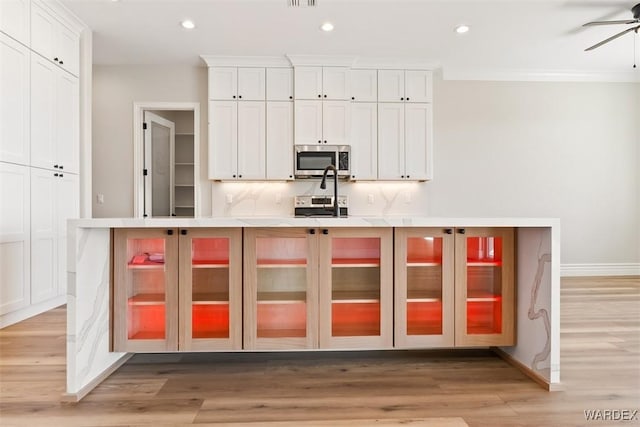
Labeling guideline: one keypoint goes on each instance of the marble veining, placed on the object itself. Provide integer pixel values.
(543, 259)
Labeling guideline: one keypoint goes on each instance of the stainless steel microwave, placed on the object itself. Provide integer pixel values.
(311, 160)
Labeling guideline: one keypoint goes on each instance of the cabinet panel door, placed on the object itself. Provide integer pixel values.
(279, 84)
(336, 83)
(418, 149)
(364, 140)
(67, 207)
(390, 85)
(66, 123)
(280, 289)
(356, 288)
(279, 148)
(252, 161)
(15, 19)
(43, 32)
(424, 287)
(364, 85)
(44, 236)
(251, 84)
(223, 83)
(336, 122)
(223, 139)
(308, 83)
(14, 101)
(391, 141)
(308, 122)
(15, 243)
(145, 290)
(68, 49)
(418, 86)
(210, 312)
(43, 104)
(484, 287)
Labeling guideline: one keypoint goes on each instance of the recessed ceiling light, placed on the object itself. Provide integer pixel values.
(188, 24)
(327, 26)
(461, 29)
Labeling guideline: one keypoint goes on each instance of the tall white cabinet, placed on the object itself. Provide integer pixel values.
(39, 153)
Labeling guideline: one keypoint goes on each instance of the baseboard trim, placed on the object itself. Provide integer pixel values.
(21, 314)
(526, 370)
(618, 269)
(77, 397)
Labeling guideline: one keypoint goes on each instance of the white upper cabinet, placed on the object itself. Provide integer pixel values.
(364, 141)
(279, 84)
(364, 85)
(404, 86)
(231, 83)
(14, 101)
(251, 141)
(279, 140)
(54, 40)
(322, 83)
(15, 19)
(336, 122)
(308, 122)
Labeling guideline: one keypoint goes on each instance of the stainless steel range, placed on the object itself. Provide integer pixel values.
(318, 205)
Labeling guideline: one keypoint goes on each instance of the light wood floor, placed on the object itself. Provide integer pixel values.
(600, 369)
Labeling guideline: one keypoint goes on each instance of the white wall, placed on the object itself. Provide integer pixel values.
(115, 89)
(526, 149)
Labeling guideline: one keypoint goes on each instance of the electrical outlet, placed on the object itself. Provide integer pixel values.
(370, 199)
(229, 199)
(100, 198)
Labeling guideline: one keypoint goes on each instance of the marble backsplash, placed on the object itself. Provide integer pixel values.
(237, 199)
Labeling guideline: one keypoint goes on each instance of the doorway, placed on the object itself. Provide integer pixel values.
(166, 140)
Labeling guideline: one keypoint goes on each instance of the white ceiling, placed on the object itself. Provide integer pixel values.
(542, 37)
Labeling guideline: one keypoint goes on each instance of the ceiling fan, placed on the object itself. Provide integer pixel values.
(635, 10)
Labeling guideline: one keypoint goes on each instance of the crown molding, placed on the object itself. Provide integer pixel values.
(245, 61)
(396, 63)
(321, 60)
(62, 12)
(458, 73)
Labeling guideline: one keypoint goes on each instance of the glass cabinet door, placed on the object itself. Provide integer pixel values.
(424, 287)
(145, 290)
(210, 289)
(485, 286)
(356, 288)
(280, 289)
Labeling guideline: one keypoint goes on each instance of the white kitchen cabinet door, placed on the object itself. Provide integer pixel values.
(308, 83)
(251, 84)
(391, 141)
(364, 141)
(364, 85)
(418, 141)
(279, 84)
(43, 31)
(252, 162)
(67, 200)
(223, 83)
(43, 104)
(336, 83)
(15, 18)
(68, 49)
(390, 85)
(15, 242)
(308, 122)
(44, 236)
(279, 148)
(418, 86)
(223, 139)
(336, 122)
(14, 101)
(67, 113)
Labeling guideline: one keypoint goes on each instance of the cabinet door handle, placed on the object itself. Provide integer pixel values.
(312, 231)
(401, 99)
(239, 96)
(290, 176)
(290, 97)
(233, 176)
(55, 174)
(408, 176)
(319, 142)
(61, 62)
(407, 98)
(61, 175)
(325, 141)
(234, 97)
(401, 176)
(55, 59)
(239, 176)
(183, 232)
(56, 166)
(325, 96)
(462, 231)
(61, 167)
(170, 232)
(325, 231)
(319, 96)
(353, 98)
(448, 231)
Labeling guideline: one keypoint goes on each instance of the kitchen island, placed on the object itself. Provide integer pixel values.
(535, 348)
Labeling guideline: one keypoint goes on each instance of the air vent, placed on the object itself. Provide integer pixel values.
(301, 3)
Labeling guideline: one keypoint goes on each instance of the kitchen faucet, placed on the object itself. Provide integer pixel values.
(323, 185)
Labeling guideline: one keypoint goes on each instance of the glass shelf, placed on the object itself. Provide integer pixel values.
(355, 262)
(278, 263)
(147, 299)
(207, 263)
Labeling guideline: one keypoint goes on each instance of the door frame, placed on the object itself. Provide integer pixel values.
(147, 159)
(138, 150)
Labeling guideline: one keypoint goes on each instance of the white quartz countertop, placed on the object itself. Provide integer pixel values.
(351, 221)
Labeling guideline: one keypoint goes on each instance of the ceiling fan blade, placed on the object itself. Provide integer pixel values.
(612, 38)
(589, 24)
